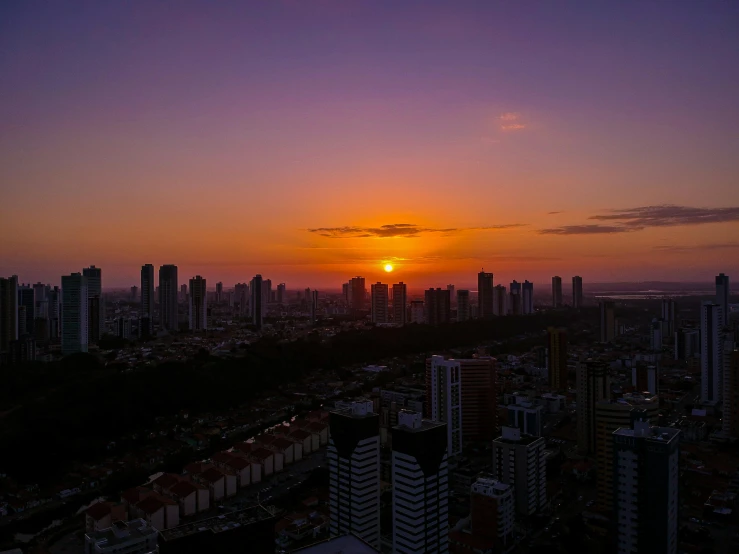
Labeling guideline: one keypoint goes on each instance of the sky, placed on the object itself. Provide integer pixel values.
(311, 141)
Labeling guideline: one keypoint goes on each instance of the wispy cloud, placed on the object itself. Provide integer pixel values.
(510, 121)
(636, 219)
(697, 247)
(553, 213)
(585, 230)
(405, 230)
(668, 215)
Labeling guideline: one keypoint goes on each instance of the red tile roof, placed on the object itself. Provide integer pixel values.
(183, 489)
(212, 475)
(98, 510)
(237, 463)
(264, 439)
(132, 496)
(317, 426)
(300, 435)
(167, 480)
(281, 444)
(262, 454)
(150, 505)
(222, 457)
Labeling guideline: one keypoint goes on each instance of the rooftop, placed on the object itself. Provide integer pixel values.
(339, 545)
(121, 532)
(655, 433)
(218, 524)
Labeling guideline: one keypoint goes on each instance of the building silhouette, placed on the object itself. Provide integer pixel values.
(557, 358)
(379, 303)
(400, 304)
(168, 305)
(198, 311)
(485, 294)
(557, 291)
(577, 292)
(437, 306)
(74, 313)
(711, 353)
(256, 305)
(147, 292)
(463, 305)
(607, 321)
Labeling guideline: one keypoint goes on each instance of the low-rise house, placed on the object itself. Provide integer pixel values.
(266, 458)
(284, 447)
(102, 515)
(304, 439)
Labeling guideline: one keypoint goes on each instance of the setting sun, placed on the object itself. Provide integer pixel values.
(388, 267)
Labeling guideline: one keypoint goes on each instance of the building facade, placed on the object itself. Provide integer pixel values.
(557, 291)
(463, 305)
(577, 297)
(168, 304)
(519, 461)
(711, 353)
(484, 294)
(437, 306)
(354, 472)
(379, 303)
(557, 358)
(593, 386)
(444, 398)
(198, 311)
(147, 292)
(74, 313)
(400, 304)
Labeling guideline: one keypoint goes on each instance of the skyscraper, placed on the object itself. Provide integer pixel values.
(8, 312)
(609, 416)
(557, 291)
(577, 291)
(219, 292)
(54, 297)
(500, 300)
(420, 476)
(255, 288)
(527, 300)
(452, 296)
(400, 304)
(730, 420)
(147, 292)
(357, 292)
(74, 313)
(655, 335)
(607, 321)
(485, 294)
(168, 305)
(492, 518)
(519, 460)
(722, 297)
(281, 293)
(557, 358)
(437, 306)
(593, 385)
(314, 306)
(96, 320)
(26, 310)
(515, 303)
(669, 315)
(711, 352)
(241, 297)
(463, 305)
(444, 397)
(379, 303)
(198, 304)
(354, 472)
(646, 487)
(183, 292)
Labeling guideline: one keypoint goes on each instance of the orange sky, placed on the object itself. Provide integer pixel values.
(217, 139)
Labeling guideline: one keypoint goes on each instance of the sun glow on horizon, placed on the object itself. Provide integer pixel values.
(388, 268)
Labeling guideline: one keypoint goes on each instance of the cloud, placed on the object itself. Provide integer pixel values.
(510, 121)
(406, 230)
(696, 247)
(668, 215)
(585, 230)
(553, 213)
(636, 219)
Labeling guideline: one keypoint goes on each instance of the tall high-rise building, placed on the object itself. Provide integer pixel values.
(452, 294)
(646, 487)
(8, 312)
(219, 292)
(96, 321)
(134, 293)
(485, 294)
(314, 306)
(357, 293)
(256, 305)
(198, 311)
(492, 518)
(479, 400)
(400, 303)
(557, 358)
(281, 294)
(241, 298)
(147, 292)
(722, 297)
(26, 310)
(54, 297)
(607, 321)
(379, 303)
(500, 300)
(609, 416)
(266, 294)
(463, 305)
(74, 313)
(711, 352)
(655, 335)
(669, 315)
(444, 398)
(354, 472)
(168, 305)
(519, 460)
(593, 386)
(418, 314)
(183, 292)
(437, 306)
(527, 298)
(577, 291)
(645, 379)
(420, 476)
(557, 291)
(515, 302)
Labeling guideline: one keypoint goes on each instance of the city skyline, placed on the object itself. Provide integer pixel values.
(615, 162)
